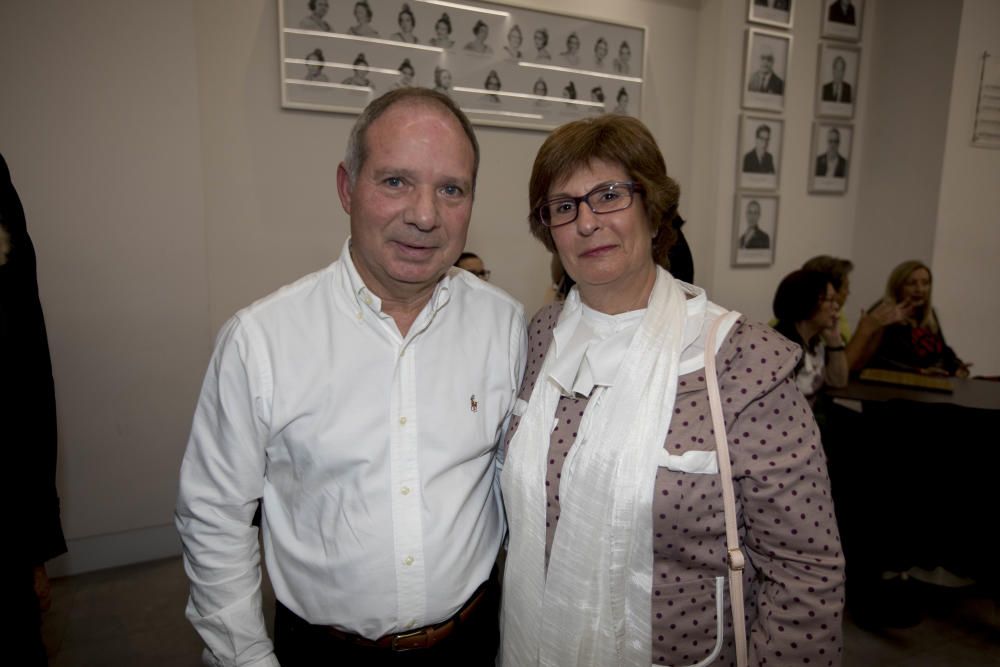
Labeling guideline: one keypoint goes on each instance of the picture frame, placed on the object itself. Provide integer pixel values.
(758, 163)
(837, 80)
(826, 175)
(765, 69)
(504, 65)
(777, 13)
(755, 229)
(842, 19)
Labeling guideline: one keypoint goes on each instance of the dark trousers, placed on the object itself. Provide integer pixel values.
(22, 634)
(473, 643)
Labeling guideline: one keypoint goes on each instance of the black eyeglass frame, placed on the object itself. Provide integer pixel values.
(632, 186)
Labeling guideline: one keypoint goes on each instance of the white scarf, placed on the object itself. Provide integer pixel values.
(592, 607)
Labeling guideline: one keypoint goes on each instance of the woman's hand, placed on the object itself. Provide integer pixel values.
(887, 313)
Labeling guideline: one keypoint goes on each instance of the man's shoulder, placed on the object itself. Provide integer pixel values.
(485, 295)
(291, 297)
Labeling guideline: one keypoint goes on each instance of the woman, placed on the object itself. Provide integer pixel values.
(442, 33)
(572, 53)
(915, 343)
(514, 41)
(615, 390)
(492, 83)
(478, 44)
(360, 76)
(406, 24)
(315, 20)
(406, 74)
(806, 306)
(621, 106)
(541, 38)
(314, 71)
(541, 91)
(600, 52)
(442, 80)
(363, 16)
(621, 63)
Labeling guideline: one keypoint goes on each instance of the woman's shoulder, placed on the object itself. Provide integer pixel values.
(544, 321)
(754, 351)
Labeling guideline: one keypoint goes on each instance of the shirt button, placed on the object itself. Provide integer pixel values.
(402, 352)
(402, 421)
(359, 314)
(368, 300)
(405, 490)
(408, 560)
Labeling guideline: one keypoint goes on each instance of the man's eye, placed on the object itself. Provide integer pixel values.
(452, 190)
(393, 181)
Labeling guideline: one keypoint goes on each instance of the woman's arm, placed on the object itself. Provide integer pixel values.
(868, 334)
(835, 371)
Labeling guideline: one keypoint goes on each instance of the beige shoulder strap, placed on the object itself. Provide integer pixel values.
(735, 559)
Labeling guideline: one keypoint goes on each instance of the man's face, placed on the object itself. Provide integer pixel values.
(412, 201)
(753, 214)
(838, 69)
(766, 63)
(832, 141)
(763, 138)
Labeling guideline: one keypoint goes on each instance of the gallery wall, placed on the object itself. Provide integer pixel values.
(165, 188)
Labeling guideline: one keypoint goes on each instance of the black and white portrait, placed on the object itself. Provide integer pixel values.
(760, 152)
(841, 19)
(837, 80)
(830, 164)
(755, 223)
(777, 13)
(765, 69)
(316, 18)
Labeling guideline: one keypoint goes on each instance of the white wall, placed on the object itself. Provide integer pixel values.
(967, 242)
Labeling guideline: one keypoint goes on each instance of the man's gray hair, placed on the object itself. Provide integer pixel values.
(357, 145)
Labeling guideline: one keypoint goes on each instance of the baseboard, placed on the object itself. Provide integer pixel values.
(103, 551)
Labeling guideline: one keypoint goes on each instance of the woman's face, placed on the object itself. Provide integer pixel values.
(322, 7)
(444, 78)
(407, 73)
(622, 99)
(608, 252)
(406, 22)
(514, 39)
(540, 40)
(482, 32)
(540, 88)
(624, 53)
(442, 29)
(601, 49)
(917, 287)
(492, 82)
(572, 43)
(826, 315)
(361, 13)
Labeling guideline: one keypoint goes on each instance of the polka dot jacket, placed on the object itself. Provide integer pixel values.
(795, 572)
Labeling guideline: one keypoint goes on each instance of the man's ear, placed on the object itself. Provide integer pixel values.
(344, 187)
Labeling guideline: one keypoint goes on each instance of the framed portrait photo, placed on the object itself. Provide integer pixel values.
(504, 65)
(777, 13)
(765, 69)
(837, 80)
(755, 229)
(759, 157)
(841, 19)
(830, 157)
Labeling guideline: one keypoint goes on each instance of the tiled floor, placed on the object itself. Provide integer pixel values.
(135, 616)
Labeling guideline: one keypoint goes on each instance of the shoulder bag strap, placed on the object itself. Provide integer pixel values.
(735, 554)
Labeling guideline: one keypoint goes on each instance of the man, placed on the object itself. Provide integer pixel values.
(32, 526)
(754, 238)
(832, 164)
(764, 80)
(837, 90)
(841, 11)
(357, 406)
(758, 160)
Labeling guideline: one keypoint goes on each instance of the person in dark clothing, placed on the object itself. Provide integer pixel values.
(28, 422)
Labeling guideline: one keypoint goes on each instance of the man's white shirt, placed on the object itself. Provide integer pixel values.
(373, 453)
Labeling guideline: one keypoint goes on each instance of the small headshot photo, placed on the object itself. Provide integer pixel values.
(360, 75)
(540, 90)
(363, 17)
(442, 33)
(492, 83)
(541, 38)
(771, 12)
(838, 76)
(569, 93)
(512, 49)
(621, 101)
(571, 55)
(314, 70)
(481, 32)
(622, 64)
(314, 20)
(760, 151)
(842, 19)
(831, 157)
(597, 95)
(407, 22)
(442, 80)
(406, 75)
(600, 53)
(766, 62)
(755, 222)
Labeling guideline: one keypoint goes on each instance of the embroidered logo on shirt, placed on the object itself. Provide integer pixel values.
(473, 404)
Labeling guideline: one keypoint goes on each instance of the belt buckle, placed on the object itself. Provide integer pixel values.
(408, 635)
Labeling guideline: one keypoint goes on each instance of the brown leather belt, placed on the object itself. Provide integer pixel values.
(424, 637)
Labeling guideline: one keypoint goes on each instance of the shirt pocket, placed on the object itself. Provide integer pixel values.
(688, 622)
(693, 461)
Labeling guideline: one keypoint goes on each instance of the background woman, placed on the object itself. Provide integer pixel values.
(406, 74)
(514, 40)
(621, 63)
(621, 100)
(572, 53)
(478, 44)
(541, 38)
(363, 16)
(406, 24)
(617, 539)
(360, 76)
(315, 20)
(916, 343)
(806, 306)
(442, 33)
(442, 80)
(314, 71)
(600, 52)
(492, 83)
(541, 89)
